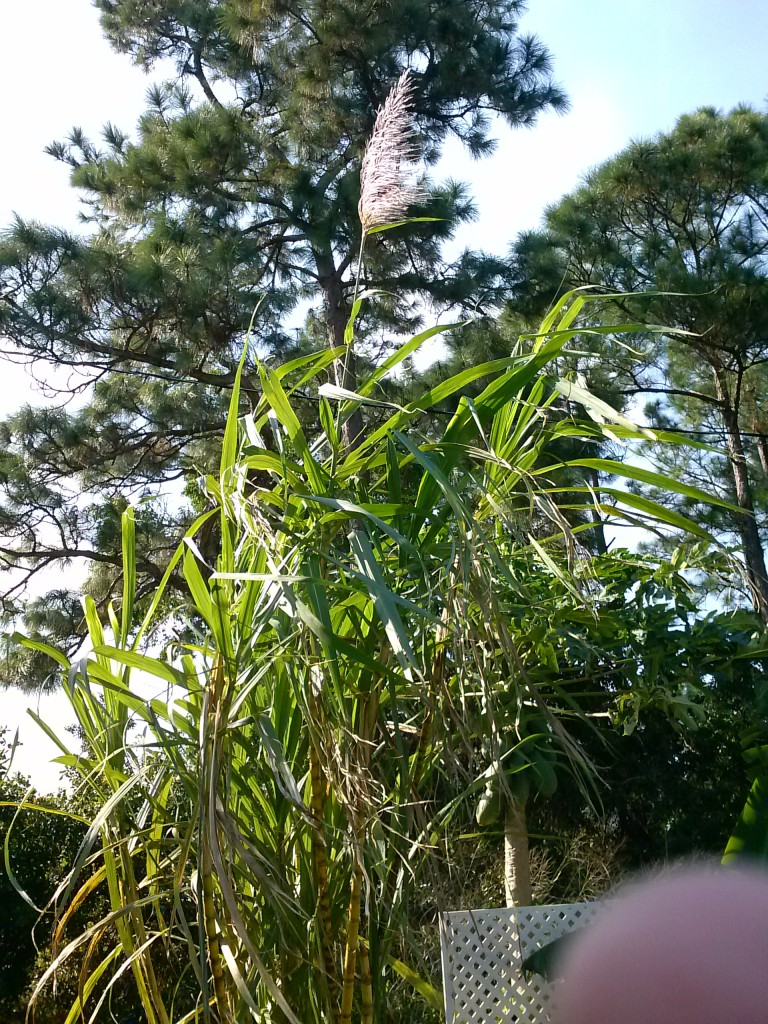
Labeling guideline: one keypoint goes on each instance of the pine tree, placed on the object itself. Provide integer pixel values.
(240, 186)
(684, 214)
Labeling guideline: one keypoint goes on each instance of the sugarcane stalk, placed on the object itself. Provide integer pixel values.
(320, 860)
(124, 892)
(212, 941)
(350, 952)
(435, 682)
(368, 713)
(212, 936)
(366, 985)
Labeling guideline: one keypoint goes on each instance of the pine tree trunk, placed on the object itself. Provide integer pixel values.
(601, 545)
(754, 556)
(762, 443)
(517, 863)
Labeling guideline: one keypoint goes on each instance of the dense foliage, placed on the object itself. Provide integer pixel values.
(42, 843)
(384, 658)
(241, 184)
(680, 219)
(386, 599)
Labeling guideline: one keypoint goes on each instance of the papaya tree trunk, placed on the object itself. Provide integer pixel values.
(517, 862)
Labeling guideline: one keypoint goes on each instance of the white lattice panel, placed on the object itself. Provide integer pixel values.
(482, 951)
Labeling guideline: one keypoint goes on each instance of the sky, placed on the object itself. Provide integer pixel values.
(629, 67)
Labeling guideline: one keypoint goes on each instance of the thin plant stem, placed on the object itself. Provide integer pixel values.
(355, 295)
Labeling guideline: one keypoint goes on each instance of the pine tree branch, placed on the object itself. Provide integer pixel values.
(678, 392)
(47, 556)
(199, 74)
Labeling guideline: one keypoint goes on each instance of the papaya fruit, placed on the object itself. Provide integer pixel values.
(489, 807)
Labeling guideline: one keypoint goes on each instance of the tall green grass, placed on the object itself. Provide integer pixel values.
(271, 810)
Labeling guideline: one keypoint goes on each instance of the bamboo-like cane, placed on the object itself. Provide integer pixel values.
(350, 953)
(212, 935)
(368, 714)
(435, 682)
(215, 690)
(320, 860)
(366, 985)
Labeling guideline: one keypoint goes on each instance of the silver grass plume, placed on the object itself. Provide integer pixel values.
(386, 190)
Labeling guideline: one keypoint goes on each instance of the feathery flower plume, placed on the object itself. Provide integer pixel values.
(385, 189)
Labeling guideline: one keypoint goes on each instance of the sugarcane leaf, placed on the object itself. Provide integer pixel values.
(750, 834)
(428, 992)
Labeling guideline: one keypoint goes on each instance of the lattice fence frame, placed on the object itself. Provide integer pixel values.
(482, 951)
